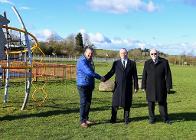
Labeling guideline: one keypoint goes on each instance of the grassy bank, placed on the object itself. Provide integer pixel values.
(59, 117)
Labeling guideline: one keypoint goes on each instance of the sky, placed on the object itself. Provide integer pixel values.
(167, 25)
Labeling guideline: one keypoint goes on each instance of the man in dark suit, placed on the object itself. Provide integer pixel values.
(125, 72)
(157, 82)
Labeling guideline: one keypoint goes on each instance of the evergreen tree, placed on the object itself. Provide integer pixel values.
(79, 46)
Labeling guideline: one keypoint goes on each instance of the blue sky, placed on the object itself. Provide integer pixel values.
(168, 25)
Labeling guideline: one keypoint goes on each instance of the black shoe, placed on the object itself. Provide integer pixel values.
(126, 117)
(127, 121)
(112, 121)
(151, 121)
(168, 122)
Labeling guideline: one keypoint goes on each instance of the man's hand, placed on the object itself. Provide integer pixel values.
(144, 91)
(102, 79)
(136, 90)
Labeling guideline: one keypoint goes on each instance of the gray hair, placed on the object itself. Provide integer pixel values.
(124, 49)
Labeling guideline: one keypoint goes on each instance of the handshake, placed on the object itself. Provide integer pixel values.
(102, 79)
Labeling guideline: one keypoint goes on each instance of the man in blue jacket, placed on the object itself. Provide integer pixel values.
(85, 84)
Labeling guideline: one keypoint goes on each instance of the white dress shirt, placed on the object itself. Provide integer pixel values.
(125, 62)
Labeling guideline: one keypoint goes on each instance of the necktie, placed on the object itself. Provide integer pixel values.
(123, 63)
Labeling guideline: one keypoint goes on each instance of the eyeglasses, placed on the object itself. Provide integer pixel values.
(153, 54)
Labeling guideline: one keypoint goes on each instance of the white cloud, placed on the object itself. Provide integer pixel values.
(122, 6)
(95, 38)
(150, 7)
(103, 42)
(141, 45)
(45, 34)
(98, 37)
(82, 31)
(6, 1)
(176, 49)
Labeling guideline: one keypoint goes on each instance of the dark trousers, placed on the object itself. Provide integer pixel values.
(162, 110)
(114, 112)
(85, 102)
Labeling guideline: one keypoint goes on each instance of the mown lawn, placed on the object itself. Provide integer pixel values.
(58, 118)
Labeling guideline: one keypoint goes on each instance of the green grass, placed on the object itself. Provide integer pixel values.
(58, 118)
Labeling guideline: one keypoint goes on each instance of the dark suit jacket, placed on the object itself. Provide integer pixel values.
(156, 79)
(122, 95)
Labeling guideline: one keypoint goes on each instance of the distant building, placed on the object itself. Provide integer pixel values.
(3, 41)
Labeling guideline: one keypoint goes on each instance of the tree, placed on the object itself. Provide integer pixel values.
(135, 53)
(79, 46)
(69, 45)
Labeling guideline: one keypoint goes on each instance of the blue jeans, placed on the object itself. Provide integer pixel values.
(85, 102)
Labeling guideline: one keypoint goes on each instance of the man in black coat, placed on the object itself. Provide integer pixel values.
(157, 82)
(125, 72)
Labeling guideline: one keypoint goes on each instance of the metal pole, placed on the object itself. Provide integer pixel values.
(28, 61)
(7, 64)
(6, 79)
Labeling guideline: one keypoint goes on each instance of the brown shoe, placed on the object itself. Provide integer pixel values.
(84, 125)
(89, 122)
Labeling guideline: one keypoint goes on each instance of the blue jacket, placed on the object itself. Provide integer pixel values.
(85, 73)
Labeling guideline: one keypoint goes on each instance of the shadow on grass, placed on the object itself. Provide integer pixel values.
(175, 117)
(122, 120)
(138, 105)
(51, 113)
(186, 116)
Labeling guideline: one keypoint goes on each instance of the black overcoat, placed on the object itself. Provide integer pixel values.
(122, 95)
(156, 79)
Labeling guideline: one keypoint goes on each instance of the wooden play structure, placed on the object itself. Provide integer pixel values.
(16, 61)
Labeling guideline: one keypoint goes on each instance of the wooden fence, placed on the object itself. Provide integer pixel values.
(40, 71)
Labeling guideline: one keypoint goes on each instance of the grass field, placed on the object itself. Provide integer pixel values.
(58, 118)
